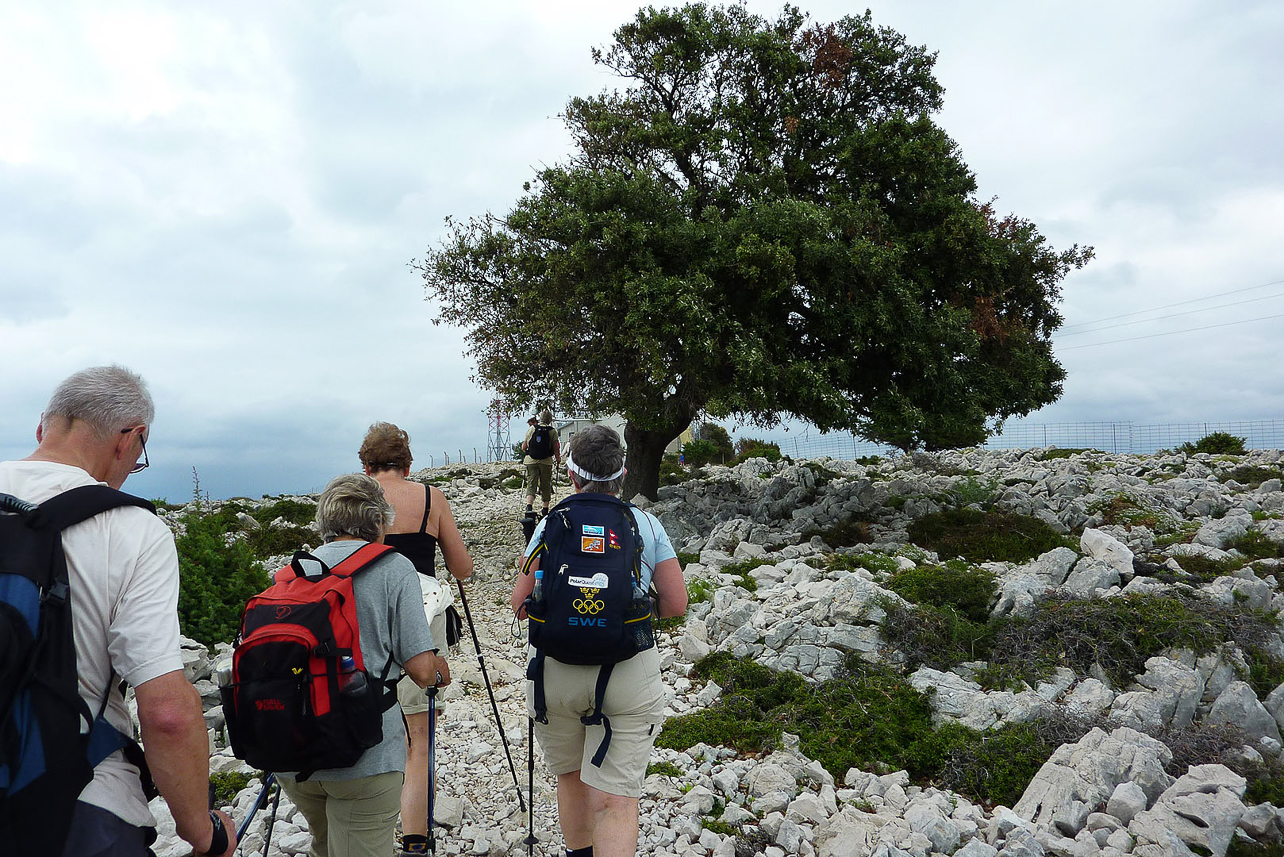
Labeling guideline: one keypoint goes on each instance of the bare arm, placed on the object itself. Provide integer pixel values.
(522, 589)
(178, 751)
(424, 668)
(671, 588)
(453, 551)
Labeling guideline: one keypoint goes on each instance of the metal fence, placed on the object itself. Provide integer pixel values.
(1126, 437)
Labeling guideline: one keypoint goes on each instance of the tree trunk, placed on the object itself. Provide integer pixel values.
(645, 451)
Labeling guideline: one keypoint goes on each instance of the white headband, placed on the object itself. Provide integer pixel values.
(584, 474)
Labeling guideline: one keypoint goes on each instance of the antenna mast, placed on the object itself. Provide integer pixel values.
(498, 446)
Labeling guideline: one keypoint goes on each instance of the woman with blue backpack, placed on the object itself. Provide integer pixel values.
(596, 571)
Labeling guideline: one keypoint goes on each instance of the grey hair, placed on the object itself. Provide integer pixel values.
(353, 505)
(598, 450)
(108, 398)
(545, 417)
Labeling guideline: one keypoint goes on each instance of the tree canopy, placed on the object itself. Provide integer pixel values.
(764, 222)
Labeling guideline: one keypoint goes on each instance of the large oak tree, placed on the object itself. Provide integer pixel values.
(763, 222)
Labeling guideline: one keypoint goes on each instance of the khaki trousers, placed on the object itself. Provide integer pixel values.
(350, 818)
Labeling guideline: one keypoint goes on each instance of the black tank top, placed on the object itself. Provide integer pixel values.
(420, 548)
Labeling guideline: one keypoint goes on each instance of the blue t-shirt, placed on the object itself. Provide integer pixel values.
(656, 547)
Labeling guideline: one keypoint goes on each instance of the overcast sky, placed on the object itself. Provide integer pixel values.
(224, 198)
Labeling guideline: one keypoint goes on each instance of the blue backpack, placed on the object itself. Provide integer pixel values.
(591, 607)
(49, 740)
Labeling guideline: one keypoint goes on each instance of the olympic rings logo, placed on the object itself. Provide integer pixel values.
(588, 605)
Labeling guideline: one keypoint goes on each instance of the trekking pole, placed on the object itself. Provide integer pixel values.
(499, 724)
(259, 803)
(531, 840)
(432, 772)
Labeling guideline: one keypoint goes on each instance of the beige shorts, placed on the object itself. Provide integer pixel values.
(412, 698)
(634, 704)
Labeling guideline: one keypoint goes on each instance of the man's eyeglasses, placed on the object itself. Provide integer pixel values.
(141, 465)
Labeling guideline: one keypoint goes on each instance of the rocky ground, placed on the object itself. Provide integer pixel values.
(1106, 793)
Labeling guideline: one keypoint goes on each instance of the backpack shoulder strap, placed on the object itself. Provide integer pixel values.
(361, 559)
(423, 527)
(79, 504)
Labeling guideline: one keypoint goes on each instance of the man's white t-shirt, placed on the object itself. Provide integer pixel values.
(123, 568)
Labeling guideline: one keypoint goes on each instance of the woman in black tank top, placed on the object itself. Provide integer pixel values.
(385, 455)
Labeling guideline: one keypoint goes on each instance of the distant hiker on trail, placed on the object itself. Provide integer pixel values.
(422, 523)
(597, 705)
(542, 448)
(123, 581)
(353, 811)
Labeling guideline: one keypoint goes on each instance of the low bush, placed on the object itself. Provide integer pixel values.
(1255, 545)
(296, 512)
(1252, 475)
(1217, 443)
(1120, 634)
(965, 588)
(972, 490)
(229, 784)
(666, 769)
(1207, 569)
(984, 536)
(848, 532)
(698, 453)
(215, 579)
(867, 717)
(752, 447)
(671, 472)
(935, 637)
(274, 541)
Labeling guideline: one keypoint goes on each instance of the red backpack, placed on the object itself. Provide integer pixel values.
(300, 698)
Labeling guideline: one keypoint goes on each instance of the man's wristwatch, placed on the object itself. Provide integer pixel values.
(218, 844)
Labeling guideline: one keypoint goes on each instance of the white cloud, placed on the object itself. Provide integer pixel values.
(225, 198)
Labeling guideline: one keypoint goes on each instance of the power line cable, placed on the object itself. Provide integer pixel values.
(1172, 315)
(1170, 306)
(1172, 332)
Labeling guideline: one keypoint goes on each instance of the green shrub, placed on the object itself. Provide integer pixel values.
(867, 717)
(848, 532)
(1206, 569)
(514, 483)
(1217, 443)
(294, 511)
(972, 490)
(993, 767)
(671, 472)
(721, 440)
(1130, 512)
(984, 536)
(751, 447)
(215, 579)
(700, 589)
(685, 558)
(967, 589)
(667, 769)
(1252, 475)
(230, 784)
(936, 637)
(1255, 545)
(274, 541)
(698, 453)
(1121, 633)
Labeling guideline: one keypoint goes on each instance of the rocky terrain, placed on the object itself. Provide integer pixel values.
(1131, 525)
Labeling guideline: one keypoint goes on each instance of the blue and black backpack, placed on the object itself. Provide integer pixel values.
(49, 739)
(592, 609)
